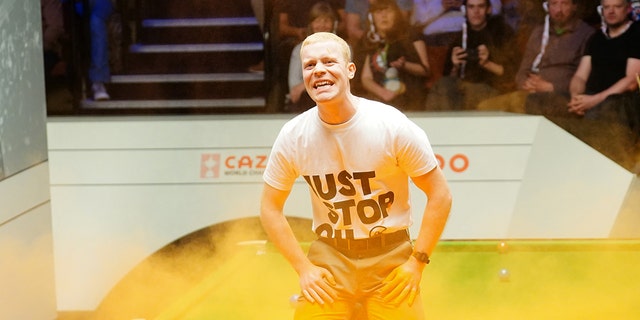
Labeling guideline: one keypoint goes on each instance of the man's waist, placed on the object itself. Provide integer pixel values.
(372, 244)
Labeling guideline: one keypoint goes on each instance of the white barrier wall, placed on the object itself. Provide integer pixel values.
(26, 242)
(122, 188)
(26, 246)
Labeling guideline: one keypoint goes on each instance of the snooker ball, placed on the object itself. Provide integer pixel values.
(502, 247)
(504, 275)
(293, 300)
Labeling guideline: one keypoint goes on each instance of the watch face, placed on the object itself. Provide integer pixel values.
(422, 257)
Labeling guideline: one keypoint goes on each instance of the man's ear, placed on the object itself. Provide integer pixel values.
(352, 70)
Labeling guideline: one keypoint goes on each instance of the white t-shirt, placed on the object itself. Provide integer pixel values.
(357, 172)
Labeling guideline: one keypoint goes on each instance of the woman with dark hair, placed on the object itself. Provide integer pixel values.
(393, 61)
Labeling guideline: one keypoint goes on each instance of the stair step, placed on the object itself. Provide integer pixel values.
(187, 90)
(195, 77)
(200, 34)
(190, 62)
(199, 22)
(195, 8)
(198, 47)
(175, 104)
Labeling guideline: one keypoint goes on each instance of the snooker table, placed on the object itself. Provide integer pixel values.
(475, 279)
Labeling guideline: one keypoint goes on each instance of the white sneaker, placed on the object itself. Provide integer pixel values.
(99, 92)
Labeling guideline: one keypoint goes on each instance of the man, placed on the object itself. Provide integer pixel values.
(601, 87)
(481, 64)
(441, 20)
(551, 57)
(356, 155)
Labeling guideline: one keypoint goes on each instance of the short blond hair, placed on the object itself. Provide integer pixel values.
(329, 37)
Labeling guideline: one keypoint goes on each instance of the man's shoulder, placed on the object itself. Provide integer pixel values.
(377, 107)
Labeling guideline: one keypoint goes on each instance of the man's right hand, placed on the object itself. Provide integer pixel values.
(317, 285)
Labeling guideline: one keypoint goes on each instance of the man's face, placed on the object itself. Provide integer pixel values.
(326, 71)
(477, 12)
(561, 11)
(615, 12)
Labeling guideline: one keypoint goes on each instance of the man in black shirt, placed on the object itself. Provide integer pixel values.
(481, 64)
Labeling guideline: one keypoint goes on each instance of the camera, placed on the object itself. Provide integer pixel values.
(472, 55)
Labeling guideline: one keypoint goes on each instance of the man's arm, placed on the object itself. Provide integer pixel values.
(369, 84)
(436, 213)
(582, 102)
(404, 282)
(579, 80)
(315, 282)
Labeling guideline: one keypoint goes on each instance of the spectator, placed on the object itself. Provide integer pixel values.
(99, 71)
(602, 86)
(52, 34)
(258, 11)
(440, 23)
(322, 18)
(441, 20)
(394, 64)
(481, 64)
(356, 16)
(551, 57)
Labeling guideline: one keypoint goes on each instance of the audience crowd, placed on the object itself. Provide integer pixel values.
(550, 58)
(569, 60)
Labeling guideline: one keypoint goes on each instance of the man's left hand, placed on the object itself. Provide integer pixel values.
(403, 283)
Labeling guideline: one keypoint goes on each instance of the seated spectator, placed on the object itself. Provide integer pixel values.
(356, 17)
(551, 57)
(481, 65)
(258, 11)
(440, 23)
(393, 70)
(441, 20)
(52, 34)
(322, 18)
(605, 81)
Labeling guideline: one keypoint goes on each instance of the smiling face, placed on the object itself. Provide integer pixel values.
(326, 70)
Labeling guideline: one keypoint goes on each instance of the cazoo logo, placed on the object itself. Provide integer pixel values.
(457, 163)
(212, 165)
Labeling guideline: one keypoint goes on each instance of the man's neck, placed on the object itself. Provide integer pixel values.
(337, 112)
(614, 30)
(560, 28)
(479, 26)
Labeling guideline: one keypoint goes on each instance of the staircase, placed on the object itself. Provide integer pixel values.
(187, 56)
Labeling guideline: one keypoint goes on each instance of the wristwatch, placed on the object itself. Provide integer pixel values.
(421, 256)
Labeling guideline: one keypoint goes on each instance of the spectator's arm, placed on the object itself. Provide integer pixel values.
(369, 84)
(579, 80)
(287, 30)
(352, 24)
(426, 11)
